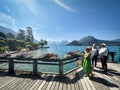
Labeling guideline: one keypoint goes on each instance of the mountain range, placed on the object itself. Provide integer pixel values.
(89, 40)
(64, 42)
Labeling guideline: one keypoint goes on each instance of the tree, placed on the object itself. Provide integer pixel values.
(29, 35)
(21, 35)
(12, 43)
(43, 42)
(2, 39)
(2, 35)
(10, 36)
(2, 42)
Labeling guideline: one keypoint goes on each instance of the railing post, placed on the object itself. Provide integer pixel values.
(11, 66)
(35, 67)
(61, 68)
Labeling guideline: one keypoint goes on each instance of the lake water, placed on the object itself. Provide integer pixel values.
(61, 51)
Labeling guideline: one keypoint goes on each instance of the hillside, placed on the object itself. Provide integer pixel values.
(89, 40)
(7, 30)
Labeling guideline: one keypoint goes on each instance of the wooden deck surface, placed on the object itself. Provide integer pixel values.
(72, 81)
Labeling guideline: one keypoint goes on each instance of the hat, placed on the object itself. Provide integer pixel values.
(94, 44)
(103, 44)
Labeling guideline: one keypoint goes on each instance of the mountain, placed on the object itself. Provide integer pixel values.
(7, 30)
(74, 43)
(64, 42)
(89, 40)
(116, 40)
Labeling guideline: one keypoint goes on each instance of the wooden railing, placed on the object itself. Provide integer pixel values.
(112, 54)
(35, 61)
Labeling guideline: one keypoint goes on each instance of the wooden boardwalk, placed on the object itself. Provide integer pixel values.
(72, 81)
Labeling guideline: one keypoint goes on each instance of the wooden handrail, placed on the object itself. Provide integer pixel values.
(112, 54)
(44, 61)
(36, 61)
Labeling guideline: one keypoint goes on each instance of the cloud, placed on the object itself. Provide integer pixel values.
(65, 6)
(30, 5)
(7, 21)
(7, 9)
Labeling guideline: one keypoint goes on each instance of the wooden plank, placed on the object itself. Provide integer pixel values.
(75, 79)
(4, 79)
(83, 84)
(71, 82)
(80, 74)
(50, 84)
(54, 83)
(86, 83)
(15, 84)
(109, 78)
(116, 78)
(10, 85)
(115, 64)
(68, 87)
(110, 65)
(48, 80)
(28, 82)
(31, 84)
(36, 83)
(10, 81)
(64, 83)
(111, 87)
(60, 84)
(18, 84)
(40, 81)
(57, 84)
(42, 84)
(23, 84)
(90, 83)
(80, 85)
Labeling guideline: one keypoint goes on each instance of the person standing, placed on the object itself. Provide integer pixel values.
(103, 52)
(87, 69)
(94, 55)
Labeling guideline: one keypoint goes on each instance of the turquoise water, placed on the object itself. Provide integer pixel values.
(61, 51)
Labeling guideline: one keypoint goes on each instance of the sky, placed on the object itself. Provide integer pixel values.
(57, 20)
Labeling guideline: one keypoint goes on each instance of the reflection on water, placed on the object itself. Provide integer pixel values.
(39, 52)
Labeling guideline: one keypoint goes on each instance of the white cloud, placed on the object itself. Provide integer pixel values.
(7, 21)
(8, 10)
(65, 6)
(30, 5)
